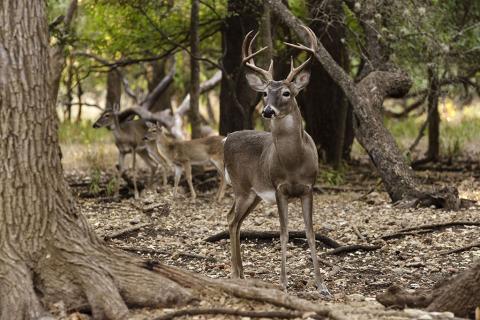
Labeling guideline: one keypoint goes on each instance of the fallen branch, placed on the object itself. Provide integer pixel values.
(428, 228)
(268, 235)
(233, 312)
(125, 231)
(353, 247)
(462, 249)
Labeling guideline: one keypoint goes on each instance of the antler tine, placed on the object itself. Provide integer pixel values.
(311, 49)
(247, 56)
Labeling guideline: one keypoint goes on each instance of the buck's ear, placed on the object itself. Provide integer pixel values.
(301, 80)
(255, 82)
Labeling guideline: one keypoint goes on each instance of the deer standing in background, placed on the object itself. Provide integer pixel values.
(185, 153)
(129, 138)
(274, 166)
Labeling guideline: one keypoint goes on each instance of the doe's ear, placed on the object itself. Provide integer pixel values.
(149, 124)
(301, 80)
(255, 82)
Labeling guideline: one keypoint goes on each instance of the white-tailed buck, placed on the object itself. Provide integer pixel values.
(184, 154)
(129, 138)
(274, 166)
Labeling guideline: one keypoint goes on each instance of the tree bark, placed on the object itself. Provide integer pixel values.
(237, 100)
(325, 107)
(194, 112)
(367, 98)
(48, 252)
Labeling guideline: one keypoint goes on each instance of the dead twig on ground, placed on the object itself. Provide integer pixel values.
(234, 312)
(125, 231)
(462, 249)
(427, 228)
(353, 247)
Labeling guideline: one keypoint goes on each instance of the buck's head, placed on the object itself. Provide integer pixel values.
(278, 96)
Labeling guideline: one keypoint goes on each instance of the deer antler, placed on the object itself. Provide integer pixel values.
(311, 49)
(247, 56)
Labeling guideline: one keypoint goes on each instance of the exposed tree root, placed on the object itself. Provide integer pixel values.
(459, 295)
(268, 235)
(396, 297)
(233, 312)
(446, 198)
(427, 228)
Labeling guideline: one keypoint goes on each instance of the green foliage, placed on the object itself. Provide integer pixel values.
(332, 177)
(94, 187)
(111, 186)
(82, 133)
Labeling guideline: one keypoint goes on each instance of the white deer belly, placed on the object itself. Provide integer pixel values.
(267, 195)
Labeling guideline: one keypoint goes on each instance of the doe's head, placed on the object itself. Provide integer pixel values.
(157, 132)
(105, 119)
(278, 96)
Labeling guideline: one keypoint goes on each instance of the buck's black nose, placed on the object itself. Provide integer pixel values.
(268, 112)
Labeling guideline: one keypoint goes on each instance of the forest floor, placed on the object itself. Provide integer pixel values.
(354, 211)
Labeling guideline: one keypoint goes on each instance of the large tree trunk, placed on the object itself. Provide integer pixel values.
(382, 80)
(325, 106)
(48, 253)
(194, 112)
(237, 100)
(459, 295)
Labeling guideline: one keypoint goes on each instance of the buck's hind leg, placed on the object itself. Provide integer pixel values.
(240, 210)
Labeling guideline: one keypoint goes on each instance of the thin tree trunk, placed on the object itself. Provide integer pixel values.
(433, 116)
(57, 52)
(158, 73)
(79, 96)
(194, 112)
(48, 252)
(68, 86)
(237, 100)
(114, 89)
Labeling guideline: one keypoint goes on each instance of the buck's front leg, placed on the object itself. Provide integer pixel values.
(282, 205)
(307, 210)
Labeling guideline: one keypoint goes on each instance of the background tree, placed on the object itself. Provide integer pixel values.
(237, 100)
(324, 105)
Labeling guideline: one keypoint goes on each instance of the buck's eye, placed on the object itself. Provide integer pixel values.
(264, 94)
(286, 94)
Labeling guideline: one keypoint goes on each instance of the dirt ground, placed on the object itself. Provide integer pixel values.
(174, 232)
